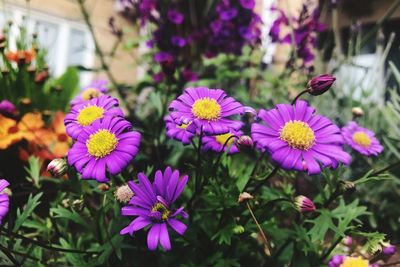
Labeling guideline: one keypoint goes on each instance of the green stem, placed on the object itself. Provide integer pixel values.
(297, 97)
(222, 152)
(385, 169)
(40, 244)
(253, 172)
(331, 248)
(9, 255)
(263, 181)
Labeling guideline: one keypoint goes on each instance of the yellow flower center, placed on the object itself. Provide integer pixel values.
(298, 135)
(362, 139)
(90, 93)
(89, 114)
(183, 125)
(101, 143)
(222, 138)
(206, 108)
(162, 209)
(354, 262)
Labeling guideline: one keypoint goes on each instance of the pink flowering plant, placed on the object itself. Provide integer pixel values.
(214, 161)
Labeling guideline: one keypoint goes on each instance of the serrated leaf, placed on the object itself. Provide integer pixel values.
(31, 205)
(61, 212)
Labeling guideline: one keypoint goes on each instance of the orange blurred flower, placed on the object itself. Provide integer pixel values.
(9, 133)
(24, 56)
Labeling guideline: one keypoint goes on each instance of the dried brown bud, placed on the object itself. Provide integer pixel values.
(244, 197)
(357, 112)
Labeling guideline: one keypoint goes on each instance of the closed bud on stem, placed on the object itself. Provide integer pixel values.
(304, 204)
(57, 167)
(357, 112)
(347, 187)
(348, 241)
(320, 84)
(244, 197)
(244, 141)
(103, 187)
(388, 249)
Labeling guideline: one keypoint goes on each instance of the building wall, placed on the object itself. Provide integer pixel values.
(122, 66)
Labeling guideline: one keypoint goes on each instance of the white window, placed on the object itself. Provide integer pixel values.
(67, 42)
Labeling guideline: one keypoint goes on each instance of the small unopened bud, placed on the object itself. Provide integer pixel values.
(77, 204)
(57, 167)
(244, 197)
(348, 241)
(26, 101)
(304, 204)
(347, 187)
(123, 194)
(7, 108)
(320, 84)
(103, 187)
(389, 249)
(238, 229)
(244, 141)
(357, 112)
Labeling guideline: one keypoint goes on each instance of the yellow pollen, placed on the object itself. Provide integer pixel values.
(362, 139)
(206, 108)
(354, 262)
(101, 143)
(297, 134)
(222, 138)
(162, 209)
(89, 114)
(183, 126)
(90, 93)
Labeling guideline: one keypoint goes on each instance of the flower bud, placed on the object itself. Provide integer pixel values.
(320, 84)
(26, 101)
(348, 241)
(103, 187)
(304, 204)
(123, 194)
(347, 187)
(7, 108)
(389, 249)
(238, 229)
(357, 112)
(244, 197)
(57, 167)
(244, 141)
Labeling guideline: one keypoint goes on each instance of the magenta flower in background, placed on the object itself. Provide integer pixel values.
(178, 131)
(178, 41)
(298, 139)
(389, 249)
(189, 75)
(83, 115)
(7, 108)
(216, 142)
(158, 77)
(304, 204)
(206, 109)
(108, 144)
(336, 260)
(248, 4)
(163, 57)
(361, 139)
(175, 16)
(95, 89)
(153, 206)
(4, 199)
(226, 12)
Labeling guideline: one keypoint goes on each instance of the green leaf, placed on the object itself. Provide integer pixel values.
(31, 205)
(61, 212)
(33, 170)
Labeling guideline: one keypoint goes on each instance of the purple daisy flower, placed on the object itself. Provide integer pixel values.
(175, 16)
(95, 89)
(298, 139)
(152, 204)
(83, 115)
(107, 145)
(206, 109)
(4, 199)
(178, 41)
(216, 142)
(178, 131)
(248, 4)
(361, 139)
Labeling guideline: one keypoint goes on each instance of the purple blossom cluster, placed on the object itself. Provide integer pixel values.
(300, 32)
(224, 28)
